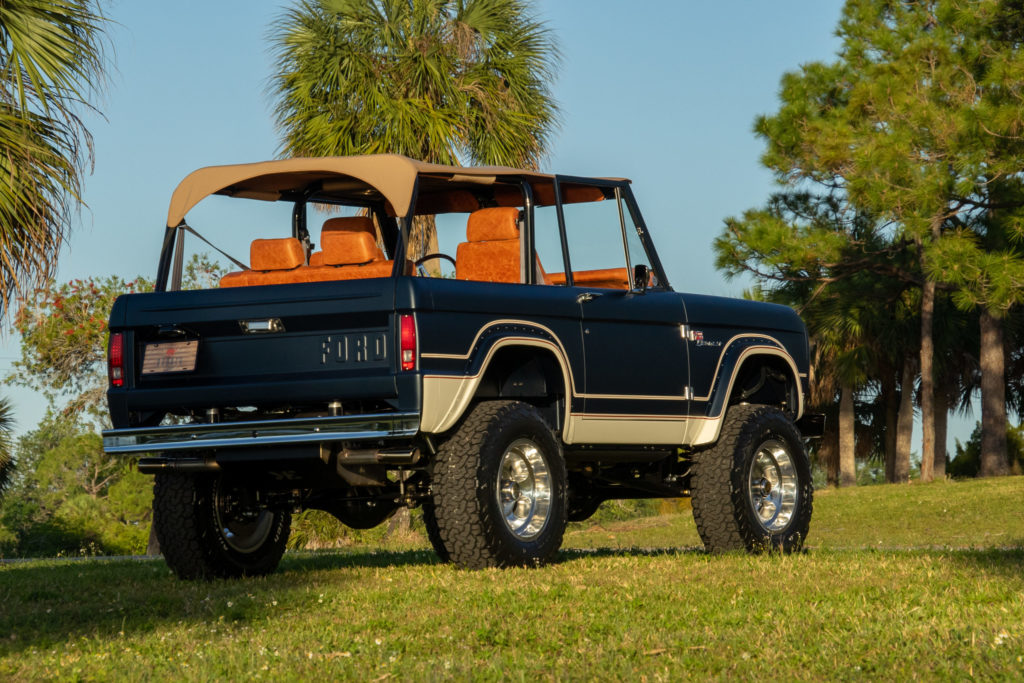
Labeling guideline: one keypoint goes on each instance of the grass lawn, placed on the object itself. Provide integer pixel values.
(898, 582)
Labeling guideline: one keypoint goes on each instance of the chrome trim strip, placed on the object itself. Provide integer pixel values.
(261, 433)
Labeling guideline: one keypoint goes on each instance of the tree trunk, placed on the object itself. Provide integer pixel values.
(993, 398)
(941, 420)
(423, 241)
(927, 382)
(891, 398)
(153, 546)
(900, 470)
(828, 451)
(400, 522)
(847, 423)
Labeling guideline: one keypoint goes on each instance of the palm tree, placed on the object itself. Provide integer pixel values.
(445, 81)
(51, 63)
(6, 428)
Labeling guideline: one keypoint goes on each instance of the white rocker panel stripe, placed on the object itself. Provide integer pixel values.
(629, 429)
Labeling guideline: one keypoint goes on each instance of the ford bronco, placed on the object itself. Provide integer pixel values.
(500, 347)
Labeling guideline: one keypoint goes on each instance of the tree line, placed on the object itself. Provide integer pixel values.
(897, 231)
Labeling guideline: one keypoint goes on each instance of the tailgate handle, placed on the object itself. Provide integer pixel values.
(164, 331)
(265, 326)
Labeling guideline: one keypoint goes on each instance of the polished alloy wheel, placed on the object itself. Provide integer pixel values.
(772, 484)
(524, 489)
(244, 533)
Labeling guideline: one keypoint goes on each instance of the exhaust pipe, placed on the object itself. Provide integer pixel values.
(379, 456)
(154, 465)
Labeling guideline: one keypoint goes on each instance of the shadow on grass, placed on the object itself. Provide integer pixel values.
(365, 558)
(570, 554)
(48, 604)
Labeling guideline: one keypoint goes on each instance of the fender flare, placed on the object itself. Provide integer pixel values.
(738, 351)
(446, 397)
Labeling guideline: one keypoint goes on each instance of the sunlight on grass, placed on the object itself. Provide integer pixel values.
(920, 580)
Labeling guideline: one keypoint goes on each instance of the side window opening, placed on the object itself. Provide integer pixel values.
(604, 245)
(636, 251)
(547, 243)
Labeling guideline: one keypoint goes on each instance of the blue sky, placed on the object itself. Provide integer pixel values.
(662, 92)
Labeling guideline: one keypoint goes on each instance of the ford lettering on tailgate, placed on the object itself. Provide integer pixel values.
(355, 347)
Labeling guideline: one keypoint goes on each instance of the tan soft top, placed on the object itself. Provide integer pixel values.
(391, 175)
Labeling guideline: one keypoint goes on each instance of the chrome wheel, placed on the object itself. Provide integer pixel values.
(243, 531)
(524, 489)
(772, 485)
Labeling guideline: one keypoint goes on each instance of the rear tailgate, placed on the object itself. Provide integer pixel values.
(282, 345)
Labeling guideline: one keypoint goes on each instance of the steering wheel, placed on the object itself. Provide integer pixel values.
(420, 261)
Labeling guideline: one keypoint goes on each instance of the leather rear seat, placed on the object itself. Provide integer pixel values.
(272, 261)
(344, 224)
(346, 255)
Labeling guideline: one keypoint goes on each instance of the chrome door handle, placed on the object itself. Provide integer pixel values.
(585, 297)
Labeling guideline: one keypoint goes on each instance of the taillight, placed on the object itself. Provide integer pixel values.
(407, 353)
(115, 359)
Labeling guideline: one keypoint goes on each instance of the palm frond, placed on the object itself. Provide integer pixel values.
(447, 81)
(6, 444)
(52, 63)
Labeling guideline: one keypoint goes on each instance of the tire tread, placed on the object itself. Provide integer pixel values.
(191, 545)
(466, 527)
(719, 500)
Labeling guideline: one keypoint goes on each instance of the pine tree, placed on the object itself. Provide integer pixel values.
(848, 278)
(918, 121)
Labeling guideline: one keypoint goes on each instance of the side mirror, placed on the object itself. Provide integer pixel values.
(641, 275)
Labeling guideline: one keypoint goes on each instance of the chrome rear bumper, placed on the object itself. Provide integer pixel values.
(190, 437)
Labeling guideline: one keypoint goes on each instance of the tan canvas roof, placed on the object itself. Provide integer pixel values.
(392, 175)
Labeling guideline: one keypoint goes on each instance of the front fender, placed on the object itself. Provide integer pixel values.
(708, 412)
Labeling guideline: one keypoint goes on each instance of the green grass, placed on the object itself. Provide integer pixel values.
(920, 580)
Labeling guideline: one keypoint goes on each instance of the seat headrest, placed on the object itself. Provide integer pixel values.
(283, 253)
(344, 248)
(349, 224)
(493, 223)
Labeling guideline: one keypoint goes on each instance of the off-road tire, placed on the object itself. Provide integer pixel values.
(471, 523)
(433, 533)
(191, 536)
(724, 506)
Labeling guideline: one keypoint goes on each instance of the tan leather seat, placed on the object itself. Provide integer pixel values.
(349, 252)
(491, 252)
(345, 224)
(271, 261)
(348, 255)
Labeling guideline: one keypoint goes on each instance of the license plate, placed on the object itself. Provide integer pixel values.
(179, 356)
